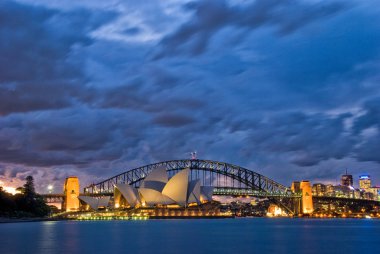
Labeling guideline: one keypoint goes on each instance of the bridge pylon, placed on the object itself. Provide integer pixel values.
(305, 203)
(71, 193)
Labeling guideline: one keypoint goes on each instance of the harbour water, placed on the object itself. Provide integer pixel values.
(248, 235)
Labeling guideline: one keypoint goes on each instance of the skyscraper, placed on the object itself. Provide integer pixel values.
(347, 180)
(364, 182)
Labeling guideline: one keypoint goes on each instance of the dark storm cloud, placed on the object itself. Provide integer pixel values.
(66, 137)
(307, 139)
(38, 67)
(29, 96)
(172, 120)
(287, 88)
(368, 125)
(370, 118)
(212, 16)
(126, 96)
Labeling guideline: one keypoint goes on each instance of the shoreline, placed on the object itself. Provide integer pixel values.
(14, 220)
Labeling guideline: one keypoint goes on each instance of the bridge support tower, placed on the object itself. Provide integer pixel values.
(305, 204)
(71, 193)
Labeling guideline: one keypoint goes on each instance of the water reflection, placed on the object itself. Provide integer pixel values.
(192, 236)
(47, 238)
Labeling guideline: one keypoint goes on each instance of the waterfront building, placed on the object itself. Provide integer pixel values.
(344, 191)
(347, 180)
(356, 193)
(330, 190)
(275, 211)
(71, 193)
(364, 182)
(319, 189)
(376, 192)
(157, 190)
(368, 195)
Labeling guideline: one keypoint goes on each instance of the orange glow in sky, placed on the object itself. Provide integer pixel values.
(11, 190)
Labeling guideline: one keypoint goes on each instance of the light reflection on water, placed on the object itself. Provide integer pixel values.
(193, 236)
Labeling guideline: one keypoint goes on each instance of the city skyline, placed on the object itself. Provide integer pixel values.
(289, 89)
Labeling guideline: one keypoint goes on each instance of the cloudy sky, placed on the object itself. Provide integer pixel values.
(290, 89)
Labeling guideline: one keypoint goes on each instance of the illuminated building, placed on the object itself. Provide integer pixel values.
(376, 192)
(125, 196)
(364, 182)
(274, 210)
(71, 192)
(157, 190)
(368, 195)
(319, 189)
(347, 180)
(307, 198)
(330, 189)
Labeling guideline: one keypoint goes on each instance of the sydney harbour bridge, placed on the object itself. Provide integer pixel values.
(225, 178)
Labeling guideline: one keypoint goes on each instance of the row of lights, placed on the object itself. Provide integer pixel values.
(85, 218)
(367, 216)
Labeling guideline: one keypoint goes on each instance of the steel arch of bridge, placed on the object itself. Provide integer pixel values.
(212, 171)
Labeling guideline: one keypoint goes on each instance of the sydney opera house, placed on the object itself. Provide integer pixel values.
(156, 190)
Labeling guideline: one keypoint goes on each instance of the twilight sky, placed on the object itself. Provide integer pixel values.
(290, 89)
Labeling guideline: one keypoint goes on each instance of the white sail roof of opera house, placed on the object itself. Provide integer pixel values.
(152, 197)
(156, 179)
(194, 192)
(95, 202)
(130, 194)
(176, 188)
(157, 189)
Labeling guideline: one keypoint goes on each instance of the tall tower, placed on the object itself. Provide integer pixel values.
(364, 182)
(71, 192)
(307, 198)
(347, 180)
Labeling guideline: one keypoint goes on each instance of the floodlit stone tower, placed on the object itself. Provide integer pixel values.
(71, 192)
(307, 198)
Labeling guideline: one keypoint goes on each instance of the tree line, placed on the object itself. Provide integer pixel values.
(25, 204)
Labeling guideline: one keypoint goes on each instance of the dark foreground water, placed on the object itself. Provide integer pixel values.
(239, 236)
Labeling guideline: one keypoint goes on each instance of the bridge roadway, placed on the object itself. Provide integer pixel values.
(236, 192)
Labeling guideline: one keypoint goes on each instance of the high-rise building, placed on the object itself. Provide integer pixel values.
(71, 191)
(364, 182)
(347, 180)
